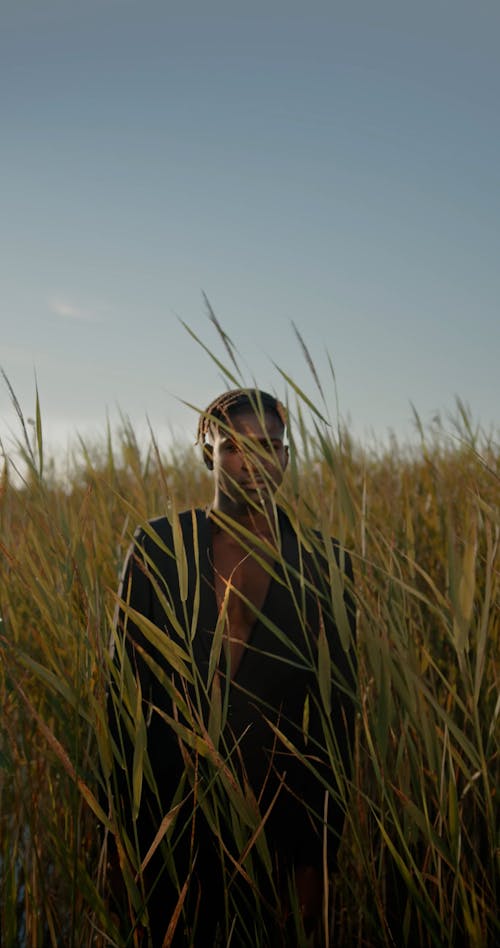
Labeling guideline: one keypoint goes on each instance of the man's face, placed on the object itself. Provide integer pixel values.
(249, 457)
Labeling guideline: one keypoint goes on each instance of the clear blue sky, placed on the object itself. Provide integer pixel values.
(334, 164)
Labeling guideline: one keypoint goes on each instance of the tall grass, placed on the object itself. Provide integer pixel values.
(420, 853)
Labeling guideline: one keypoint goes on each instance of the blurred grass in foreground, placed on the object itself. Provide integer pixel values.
(420, 855)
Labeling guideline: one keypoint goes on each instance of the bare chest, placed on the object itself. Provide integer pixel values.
(241, 587)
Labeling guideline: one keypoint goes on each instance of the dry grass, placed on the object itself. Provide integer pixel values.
(419, 860)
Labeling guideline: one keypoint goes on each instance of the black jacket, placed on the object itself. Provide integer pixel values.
(282, 722)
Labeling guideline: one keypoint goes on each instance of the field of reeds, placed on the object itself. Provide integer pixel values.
(419, 859)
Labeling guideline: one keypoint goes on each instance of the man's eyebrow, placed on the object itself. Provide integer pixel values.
(264, 442)
(239, 438)
(264, 436)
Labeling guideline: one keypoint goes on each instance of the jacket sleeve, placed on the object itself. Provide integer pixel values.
(130, 672)
(142, 679)
(332, 706)
(134, 592)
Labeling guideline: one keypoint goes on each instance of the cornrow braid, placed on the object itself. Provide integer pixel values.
(230, 402)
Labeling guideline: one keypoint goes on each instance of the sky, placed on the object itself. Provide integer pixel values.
(333, 166)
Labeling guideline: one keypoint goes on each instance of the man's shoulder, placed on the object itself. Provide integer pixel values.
(160, 529)
(317, 547)
(304, 533)
(149, 529)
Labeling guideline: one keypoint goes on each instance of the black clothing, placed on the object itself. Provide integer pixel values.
(276, 684)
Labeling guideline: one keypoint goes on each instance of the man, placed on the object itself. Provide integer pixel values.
(225, 635)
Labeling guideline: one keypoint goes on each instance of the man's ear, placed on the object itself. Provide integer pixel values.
(208, 455)
(286, 457)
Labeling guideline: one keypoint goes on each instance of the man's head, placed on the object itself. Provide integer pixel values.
(242, 437)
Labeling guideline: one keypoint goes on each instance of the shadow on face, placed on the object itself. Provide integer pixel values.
(248, 454)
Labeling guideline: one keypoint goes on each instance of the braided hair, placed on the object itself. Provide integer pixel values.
(238, 399)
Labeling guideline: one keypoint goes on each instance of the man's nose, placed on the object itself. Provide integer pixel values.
(251, 461)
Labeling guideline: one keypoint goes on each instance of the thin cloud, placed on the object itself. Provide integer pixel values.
(65, 309)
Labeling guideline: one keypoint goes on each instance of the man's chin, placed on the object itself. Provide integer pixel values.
(250, 495)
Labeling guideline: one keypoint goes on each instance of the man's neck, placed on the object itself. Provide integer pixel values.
(258, 520)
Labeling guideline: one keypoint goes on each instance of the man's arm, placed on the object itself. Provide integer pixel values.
(134, 591)
(129, 669)
(339, 720)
